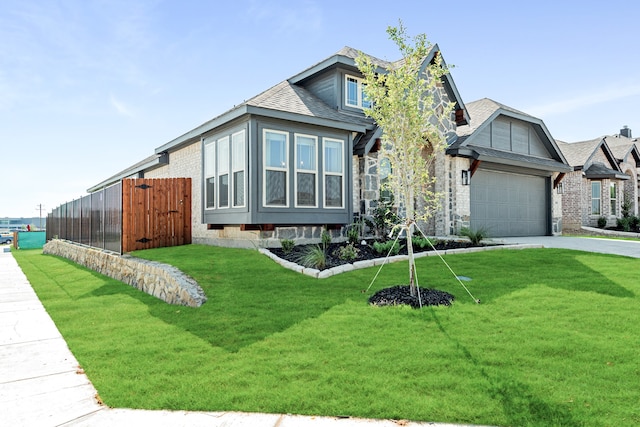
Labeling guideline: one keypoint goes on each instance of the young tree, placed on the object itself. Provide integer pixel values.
(408, 103)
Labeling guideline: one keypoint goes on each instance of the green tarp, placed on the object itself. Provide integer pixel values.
(31, 239)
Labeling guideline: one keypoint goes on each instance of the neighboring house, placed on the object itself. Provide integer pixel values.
(302, 155)
(514, 167)
(605, 172)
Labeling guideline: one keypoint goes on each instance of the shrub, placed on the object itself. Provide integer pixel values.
(384, 215)
(626, 207)
(475, 236)
(388, 247)
(602, 222)
(287, 245)
(313, 256)
(634, 221)
(624, 223)
(325, 238)
(422, 242)
(348, 252)
(353, 233)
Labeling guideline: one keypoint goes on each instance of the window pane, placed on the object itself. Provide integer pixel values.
(210, 192)
(333, 191)
(333, 156)
(276, 188)
(238, 188)
(209, 159)
(595, 190)
(306, 189)
(306, 153)
(613, 196)
(238, 143)
(224, 191)
(352, 91)
(223, 155)
(276, 146)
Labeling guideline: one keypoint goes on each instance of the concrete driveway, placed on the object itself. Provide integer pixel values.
(630, 248)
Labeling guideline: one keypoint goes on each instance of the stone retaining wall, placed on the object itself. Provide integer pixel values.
(160, 280)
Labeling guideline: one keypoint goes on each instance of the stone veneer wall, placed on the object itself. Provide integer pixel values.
(160, 280)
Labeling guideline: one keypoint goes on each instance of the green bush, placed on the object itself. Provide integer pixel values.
(475, 236)
(353, 233)
(287, 245)
(348, 252)
(391, 247)
(313, 256)
(624, 223)
(422, 242)
(602, 222)
(635, 222)
(384, 215)
(325, 238)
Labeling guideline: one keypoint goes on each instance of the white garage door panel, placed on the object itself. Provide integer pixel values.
(509, 204)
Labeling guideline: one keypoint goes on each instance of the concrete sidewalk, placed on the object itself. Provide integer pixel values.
(630, 248)
(41, 383)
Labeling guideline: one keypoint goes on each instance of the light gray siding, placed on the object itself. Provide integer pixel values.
(325, 88)
(513, 135)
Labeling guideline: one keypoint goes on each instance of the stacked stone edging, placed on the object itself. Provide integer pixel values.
(160, 280)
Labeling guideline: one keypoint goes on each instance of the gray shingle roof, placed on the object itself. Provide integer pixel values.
(578, 153)
(480, 111)
(289, 98)
(599, 171)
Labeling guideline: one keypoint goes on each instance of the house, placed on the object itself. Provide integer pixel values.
(303, 156)
(605, 173)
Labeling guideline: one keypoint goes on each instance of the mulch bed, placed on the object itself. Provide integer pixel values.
(365, 252)
(395, 295)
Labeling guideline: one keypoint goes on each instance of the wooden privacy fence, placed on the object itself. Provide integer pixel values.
(130, 215)
(155, 213)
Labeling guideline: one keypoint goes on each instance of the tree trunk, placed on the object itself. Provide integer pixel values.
(412, 261)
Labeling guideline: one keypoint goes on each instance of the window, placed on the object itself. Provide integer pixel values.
(306, 170)
(333, 173)
(276, 149)
(355, 93)
(223, 172)
(238, 166)
(595, 197)
(209, 174)
(613, 191)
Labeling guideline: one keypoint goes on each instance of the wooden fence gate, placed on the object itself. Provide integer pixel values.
(155, 213)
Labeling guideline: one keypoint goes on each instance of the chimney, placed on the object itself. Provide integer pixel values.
(625, 131)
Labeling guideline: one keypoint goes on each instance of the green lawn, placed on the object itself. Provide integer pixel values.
(555, 340)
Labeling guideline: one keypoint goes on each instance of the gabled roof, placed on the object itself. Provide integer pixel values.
(482, 113)
(347, 57)
(624, 149)
(582, 156)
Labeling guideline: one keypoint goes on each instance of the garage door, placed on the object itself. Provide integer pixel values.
(509, 204)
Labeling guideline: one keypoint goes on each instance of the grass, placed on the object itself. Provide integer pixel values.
(554, 342)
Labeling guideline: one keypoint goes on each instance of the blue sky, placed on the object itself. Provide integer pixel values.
(88, 88)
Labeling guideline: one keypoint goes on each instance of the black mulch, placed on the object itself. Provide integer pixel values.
(401, 294)
(365, 252)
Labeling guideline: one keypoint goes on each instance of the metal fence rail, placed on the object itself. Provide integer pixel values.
(93, 220)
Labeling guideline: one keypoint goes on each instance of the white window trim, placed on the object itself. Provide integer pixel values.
(359, 92)
(599, 198)
(613, 201)
(243, 141)
(210, 144)
(219, 143)
(325, 173)
(266, 168)
(306, 171)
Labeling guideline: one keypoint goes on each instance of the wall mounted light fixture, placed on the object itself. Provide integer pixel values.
(466, 177)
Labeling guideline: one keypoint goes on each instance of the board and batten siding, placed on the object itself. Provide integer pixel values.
(512, 135)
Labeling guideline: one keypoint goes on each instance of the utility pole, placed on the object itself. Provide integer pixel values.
(39, 208)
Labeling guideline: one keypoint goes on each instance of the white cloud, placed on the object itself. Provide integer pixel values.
(120, 107)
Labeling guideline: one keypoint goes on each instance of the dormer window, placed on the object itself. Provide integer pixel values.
(355, 93)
